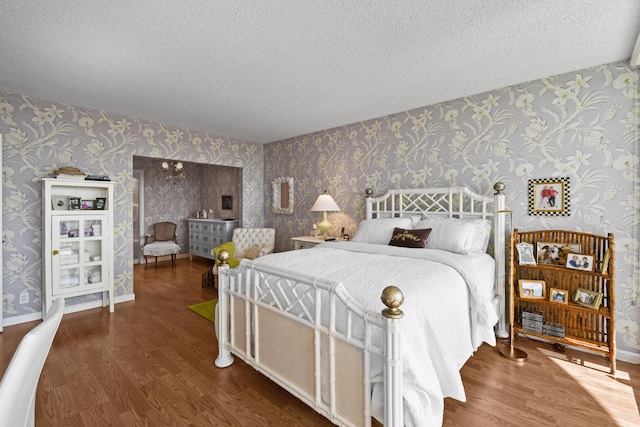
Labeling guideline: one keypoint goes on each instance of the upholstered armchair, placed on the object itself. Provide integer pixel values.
(161, 243)
(247, 243)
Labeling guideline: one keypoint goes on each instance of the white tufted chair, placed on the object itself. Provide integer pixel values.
(248, 243)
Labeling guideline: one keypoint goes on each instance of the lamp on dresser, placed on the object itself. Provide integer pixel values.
(325, 203)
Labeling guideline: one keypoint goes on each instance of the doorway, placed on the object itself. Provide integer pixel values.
(138, 215)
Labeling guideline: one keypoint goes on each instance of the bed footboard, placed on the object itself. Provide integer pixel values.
(312, 338)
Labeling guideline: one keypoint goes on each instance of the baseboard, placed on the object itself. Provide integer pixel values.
(16, 320)
(621, 355)
(152, 260)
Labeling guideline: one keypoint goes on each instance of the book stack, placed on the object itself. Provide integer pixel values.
(97, 178)
(69, 172)
(532, 320)
(553, 329)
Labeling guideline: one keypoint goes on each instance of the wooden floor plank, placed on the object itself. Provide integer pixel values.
(151, 363)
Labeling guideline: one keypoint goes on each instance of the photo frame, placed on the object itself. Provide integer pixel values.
(531, 289)
(88, 205)
(227, 202)
(525, 254)
(60, 203)
(101, 203)
(560, 296)
(587, 298)
(582, 262)
(554, 253)
(549, 196)
(75, 203)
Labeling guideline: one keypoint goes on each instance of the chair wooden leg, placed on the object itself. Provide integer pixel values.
(156, 262)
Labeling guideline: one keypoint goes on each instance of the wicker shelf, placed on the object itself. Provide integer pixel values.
(584, 327)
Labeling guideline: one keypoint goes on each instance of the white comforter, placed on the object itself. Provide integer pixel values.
(448, 312)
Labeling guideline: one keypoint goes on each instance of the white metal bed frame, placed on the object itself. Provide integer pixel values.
(256, 300)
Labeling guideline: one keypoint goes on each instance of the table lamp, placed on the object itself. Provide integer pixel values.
(323, 204)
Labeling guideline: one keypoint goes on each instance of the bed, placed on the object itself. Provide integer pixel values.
(314, 321)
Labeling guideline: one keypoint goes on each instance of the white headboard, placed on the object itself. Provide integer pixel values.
(454, 202)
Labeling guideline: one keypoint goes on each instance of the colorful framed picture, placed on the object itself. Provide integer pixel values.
(531, 289)
(582, 262)
(549, 196)
(550, 253)
(88, 204)
(559, 295)
(586, 298)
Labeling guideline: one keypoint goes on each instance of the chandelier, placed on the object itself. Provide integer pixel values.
(173, 171)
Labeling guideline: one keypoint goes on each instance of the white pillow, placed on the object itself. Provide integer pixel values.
(449, 234)
(415, 217)
(379, 231)
(479, 238)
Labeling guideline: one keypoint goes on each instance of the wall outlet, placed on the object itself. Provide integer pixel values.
(24, 297)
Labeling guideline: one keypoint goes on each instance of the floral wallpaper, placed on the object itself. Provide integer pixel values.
(40, 136)
(582, 125)
(178, 200)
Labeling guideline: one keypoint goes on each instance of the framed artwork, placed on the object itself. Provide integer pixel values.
(101, 203)
(227, 202)
(531, 289)
(549, 196)
(553, 253)
(88, 204)
(580, 262)
(75, 203)
(559, 295)
(60, 203)
(525, 254)
(586, 298)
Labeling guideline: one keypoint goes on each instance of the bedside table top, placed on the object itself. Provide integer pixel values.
(308, 239)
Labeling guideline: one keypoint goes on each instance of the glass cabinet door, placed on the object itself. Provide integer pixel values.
(78, 248)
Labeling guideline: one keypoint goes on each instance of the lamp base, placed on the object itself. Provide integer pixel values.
(324, 226)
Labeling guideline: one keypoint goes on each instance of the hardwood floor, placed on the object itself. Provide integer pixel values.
(150, 363)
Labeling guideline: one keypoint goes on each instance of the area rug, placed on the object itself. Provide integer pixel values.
(205, 309)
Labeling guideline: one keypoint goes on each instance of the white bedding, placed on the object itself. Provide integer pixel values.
(448, 312)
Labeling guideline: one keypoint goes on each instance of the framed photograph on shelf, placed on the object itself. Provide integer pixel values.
(559, 295)
(550, 253)
(582, 262)
(74, 203)
(88, 204)
(525, 254)
(60, 203)
(531, 289)
(586, 298)
(101, 203)
(549, 196)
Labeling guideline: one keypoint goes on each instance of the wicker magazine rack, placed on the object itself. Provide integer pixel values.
(569, 321)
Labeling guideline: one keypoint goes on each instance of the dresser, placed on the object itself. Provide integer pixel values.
(206, 234)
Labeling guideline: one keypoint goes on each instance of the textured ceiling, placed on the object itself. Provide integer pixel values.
(267, 70)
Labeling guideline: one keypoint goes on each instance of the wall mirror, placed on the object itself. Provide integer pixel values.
(283, 195)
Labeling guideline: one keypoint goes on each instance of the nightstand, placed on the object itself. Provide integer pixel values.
(306, 242)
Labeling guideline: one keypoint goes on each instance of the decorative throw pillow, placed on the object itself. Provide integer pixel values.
(252, 252)
(410, 238)
(379, 231)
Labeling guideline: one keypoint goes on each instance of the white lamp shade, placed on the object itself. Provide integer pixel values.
(325, 203)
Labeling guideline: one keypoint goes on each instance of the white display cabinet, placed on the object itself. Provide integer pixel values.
(77, 256)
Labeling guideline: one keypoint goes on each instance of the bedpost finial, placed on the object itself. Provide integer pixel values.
(368, 192)
(393, 298)
(223, 257)
(499, 187)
